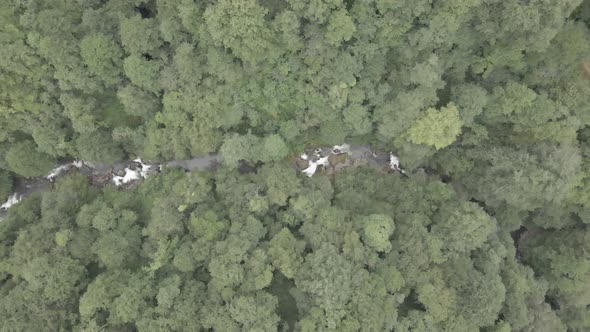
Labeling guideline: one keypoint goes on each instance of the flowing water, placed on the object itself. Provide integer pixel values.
(329, 159)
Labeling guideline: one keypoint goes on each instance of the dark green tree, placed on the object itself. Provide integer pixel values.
(24, 158)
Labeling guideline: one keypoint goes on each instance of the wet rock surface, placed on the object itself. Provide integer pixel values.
(322, 160)
(329, 160)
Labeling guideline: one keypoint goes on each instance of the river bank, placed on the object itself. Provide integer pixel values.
(320, 159)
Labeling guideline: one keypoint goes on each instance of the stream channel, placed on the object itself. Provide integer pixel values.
(326, 160)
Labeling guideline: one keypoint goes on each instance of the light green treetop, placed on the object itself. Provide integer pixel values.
(438, 128)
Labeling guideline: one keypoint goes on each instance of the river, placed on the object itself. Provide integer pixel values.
(327, 160)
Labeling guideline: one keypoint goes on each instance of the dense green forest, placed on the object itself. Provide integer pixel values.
(486, 103)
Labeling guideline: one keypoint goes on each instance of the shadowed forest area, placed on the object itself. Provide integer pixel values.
(485, 227)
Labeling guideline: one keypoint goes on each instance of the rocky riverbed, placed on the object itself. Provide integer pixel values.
(314, 160)
(328, 160)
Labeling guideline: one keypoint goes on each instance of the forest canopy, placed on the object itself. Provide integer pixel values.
(485, 102)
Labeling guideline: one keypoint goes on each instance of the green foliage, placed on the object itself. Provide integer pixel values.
(142, 73)
(236, 148)
(564, 266)
(98, 147)
(103, 57)
(55, 278)
(207, 226)
(273, 148)
(377, 230)
(81, 111)
(462, 228)
(340, 27)
(239, 26)
(551, 172)
(5, 185)
(285, 252)
(139, 35)
(438, 128)
(484, 102)
(327, 277)
(281, 183)
(138, 102)
(24, 158)
(443, 264)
